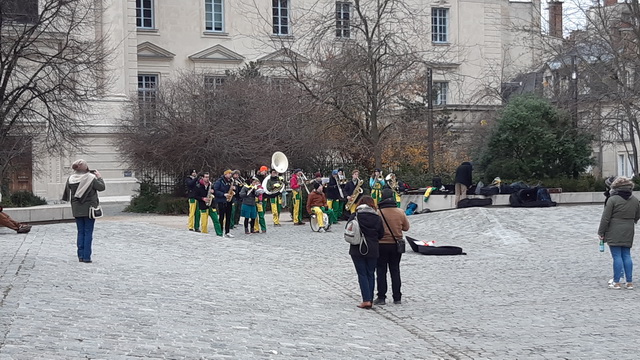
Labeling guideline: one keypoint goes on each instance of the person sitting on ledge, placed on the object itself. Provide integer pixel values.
(7, 221)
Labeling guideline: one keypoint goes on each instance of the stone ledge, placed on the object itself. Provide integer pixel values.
(55, 212)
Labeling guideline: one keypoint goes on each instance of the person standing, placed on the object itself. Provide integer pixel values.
(365, 258)
(249, 194)
(204, 195)
(462, 181)
(350, 188)
(395, 222)
(335, 194)
(81, 190)
(275, 186)
(376, 183)
(194, 213)
(617, 228)
(297, 182)
(261, 205)
(236, 202)
(222, 191)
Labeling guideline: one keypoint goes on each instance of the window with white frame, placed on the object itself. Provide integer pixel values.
(144, 14)
(281, 16)
(214, 15)
(343, 19)
(624, 165)
(20, 11)
(147, 91)
(439, 25)
(212, 82)
(440, 90)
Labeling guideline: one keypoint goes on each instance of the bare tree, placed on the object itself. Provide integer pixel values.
(190, 124)
(52, 61)
(357, 59)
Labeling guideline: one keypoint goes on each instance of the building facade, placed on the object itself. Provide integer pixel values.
(486, 42)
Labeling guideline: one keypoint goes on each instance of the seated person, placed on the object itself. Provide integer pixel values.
(7, 221)
(317, 204)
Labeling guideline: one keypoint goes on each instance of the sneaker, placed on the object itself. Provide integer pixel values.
(397, 302)
(615, 286)
(23, 229)
(321, 230)
(379, 301)
(197, 230)
(629, 286)
(229, 235)
(247, 232)
(190, 229)
(264, 231)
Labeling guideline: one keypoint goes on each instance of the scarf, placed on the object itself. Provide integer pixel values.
(84, 179)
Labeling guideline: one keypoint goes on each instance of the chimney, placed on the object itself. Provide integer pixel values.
(555, 18)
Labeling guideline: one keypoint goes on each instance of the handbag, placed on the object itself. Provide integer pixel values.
(401, 245)
(95, 212)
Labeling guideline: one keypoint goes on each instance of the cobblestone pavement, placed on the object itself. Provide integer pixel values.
(533, 286)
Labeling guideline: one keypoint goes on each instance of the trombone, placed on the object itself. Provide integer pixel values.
(304, 182)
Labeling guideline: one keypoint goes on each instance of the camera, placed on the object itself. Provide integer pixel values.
(92, 171)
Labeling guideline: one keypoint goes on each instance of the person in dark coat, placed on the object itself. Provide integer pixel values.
(365, 261)
(607, 191)
(222, 188)
(81, 190)
(462, 181)
(617, 228)
(194, 213)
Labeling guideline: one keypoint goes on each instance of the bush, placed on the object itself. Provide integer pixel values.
(24, 199)
(170, 205)
(146, 200)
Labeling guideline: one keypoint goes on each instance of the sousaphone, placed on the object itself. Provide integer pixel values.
(279, 163)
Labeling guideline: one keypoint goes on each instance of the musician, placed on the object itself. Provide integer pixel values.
(194, 213)
(335, 193)
(236, 201)
(274, 185)
(297, 182)
(350, 187)
(394, 185)
(249, 195)
(261, 204)
(203, 193)
(376, 183)
(317, 179)
(317, 204)
(222, 191)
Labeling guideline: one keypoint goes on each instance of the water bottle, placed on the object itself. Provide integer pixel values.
(601, 245)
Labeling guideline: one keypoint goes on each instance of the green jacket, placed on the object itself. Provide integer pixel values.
(618, 220)
(80, 207)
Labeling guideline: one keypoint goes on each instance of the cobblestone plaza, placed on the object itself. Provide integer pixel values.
(533, 286)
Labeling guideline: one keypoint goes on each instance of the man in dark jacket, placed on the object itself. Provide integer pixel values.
(335, 194)
(462, 181)
(221, 188)
(194, 214)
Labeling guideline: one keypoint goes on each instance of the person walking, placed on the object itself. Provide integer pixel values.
(81, 190)
(365, 258)
(395, 222)
(462, 181)
(617, 228)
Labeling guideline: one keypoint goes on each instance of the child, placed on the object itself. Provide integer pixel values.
(249, 211)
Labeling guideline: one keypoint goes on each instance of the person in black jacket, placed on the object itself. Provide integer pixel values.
(463, 181)
(335, 194)
(221, 188)
(365, 258)
(194, 215)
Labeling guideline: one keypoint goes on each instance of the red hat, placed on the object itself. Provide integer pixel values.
(318, 174)
(264, 168)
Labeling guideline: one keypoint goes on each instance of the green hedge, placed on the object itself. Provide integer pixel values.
(22, 199)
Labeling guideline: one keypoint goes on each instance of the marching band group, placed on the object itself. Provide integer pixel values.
(231, 197)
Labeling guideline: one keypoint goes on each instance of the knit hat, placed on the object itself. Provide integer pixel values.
(609, 180)
(334, 172)
(236, 172)
(622, 182)
(387, 194)
(264, 168)
(228, 171)
(378, 170)
(318, 174)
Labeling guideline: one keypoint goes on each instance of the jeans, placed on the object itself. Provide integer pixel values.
(85, 237)
(390, 257)
(365, 267)
(621, 259)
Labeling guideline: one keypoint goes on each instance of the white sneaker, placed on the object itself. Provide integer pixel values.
(229, 235)
(321, 230)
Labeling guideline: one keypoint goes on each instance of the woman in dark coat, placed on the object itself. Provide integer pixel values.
(365, 260)
(82, 190)
(617, 228)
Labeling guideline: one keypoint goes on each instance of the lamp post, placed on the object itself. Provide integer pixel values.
(430, 117)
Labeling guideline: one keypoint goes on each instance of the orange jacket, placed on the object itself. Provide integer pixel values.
(316, 199)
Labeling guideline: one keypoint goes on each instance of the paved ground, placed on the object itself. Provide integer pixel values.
(533, 286)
